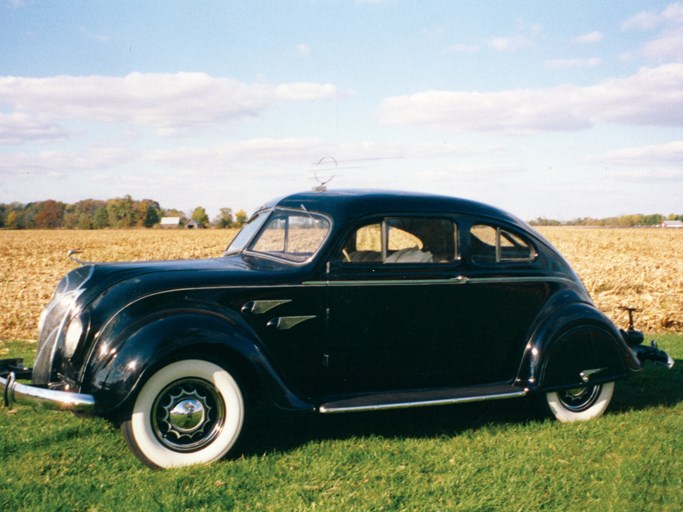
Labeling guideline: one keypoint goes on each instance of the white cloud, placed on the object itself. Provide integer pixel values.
(263, 156)
(642, 21)
(649, 20)
(167, 102)
(593, 62)
(668, 44)
(303, 50)
(48, 161)
(16, 128)
(669, 154)
(653, 96)
(508, 44)
(294, 151)
(525, 36)
(591, 37)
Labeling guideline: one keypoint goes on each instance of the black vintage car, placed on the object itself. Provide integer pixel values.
(326, 302)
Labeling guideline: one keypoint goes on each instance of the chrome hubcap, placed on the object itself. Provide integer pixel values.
(187, 415)
(579, 399)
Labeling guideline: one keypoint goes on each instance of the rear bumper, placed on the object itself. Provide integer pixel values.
(16, 392)
(652, 353)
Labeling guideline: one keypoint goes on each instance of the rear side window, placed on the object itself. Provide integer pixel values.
(492, 244)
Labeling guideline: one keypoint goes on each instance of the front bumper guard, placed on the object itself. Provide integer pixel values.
(13, 391)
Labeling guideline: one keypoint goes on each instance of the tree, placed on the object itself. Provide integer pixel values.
(224, 218)
(199, 214)
(49, 214)
(11, 221)
(121, 212)
(241, 218)
(86, 214)
(148, 213)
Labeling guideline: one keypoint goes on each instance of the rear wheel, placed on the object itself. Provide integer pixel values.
(189, 412)
(580, 404)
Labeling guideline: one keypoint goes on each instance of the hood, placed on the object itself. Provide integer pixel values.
(141, 277)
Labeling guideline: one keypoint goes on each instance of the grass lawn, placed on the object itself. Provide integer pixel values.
(482, 457)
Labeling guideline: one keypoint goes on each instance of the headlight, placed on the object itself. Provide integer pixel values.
(73, 336)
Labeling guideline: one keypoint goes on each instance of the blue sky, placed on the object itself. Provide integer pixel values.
(562, 109)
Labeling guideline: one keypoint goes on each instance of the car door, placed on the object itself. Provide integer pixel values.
(287, 315)
(390, 296)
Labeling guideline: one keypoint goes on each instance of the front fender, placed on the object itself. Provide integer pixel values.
(576, 345)
(122, 365)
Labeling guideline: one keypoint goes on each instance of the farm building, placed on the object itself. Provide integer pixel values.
(193, 224)
(671, 224)
(170, 222)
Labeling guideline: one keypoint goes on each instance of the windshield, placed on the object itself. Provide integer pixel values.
(291, 235)
(247, 232)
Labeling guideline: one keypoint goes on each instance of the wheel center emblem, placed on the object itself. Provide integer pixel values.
(185, 413)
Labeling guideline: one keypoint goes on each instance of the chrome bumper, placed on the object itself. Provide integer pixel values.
(13, 391)
(652, 353)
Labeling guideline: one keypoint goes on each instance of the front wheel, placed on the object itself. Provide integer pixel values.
(189, 412)
(580, 404)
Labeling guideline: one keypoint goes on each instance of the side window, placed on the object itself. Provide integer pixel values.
(489, 244)
(403, 240)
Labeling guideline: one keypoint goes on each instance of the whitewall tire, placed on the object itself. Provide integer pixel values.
(580, 404)
(189, 412)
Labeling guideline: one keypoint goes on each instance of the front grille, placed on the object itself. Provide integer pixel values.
(48, 338)
(55, 316)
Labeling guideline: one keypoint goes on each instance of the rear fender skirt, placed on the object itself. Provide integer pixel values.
(577, 346)
(118, 367)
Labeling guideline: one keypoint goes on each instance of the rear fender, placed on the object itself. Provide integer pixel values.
(576, 346)
(121, 366)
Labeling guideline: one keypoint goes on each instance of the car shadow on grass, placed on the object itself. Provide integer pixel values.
(656, 386)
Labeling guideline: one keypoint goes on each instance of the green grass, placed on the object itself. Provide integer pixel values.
(498, 456)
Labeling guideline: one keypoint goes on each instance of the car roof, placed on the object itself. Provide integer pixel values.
(341, 203)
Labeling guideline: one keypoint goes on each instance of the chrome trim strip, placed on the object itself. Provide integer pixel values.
(284, 323)
(258, 307)
(454, 280)
(324, 409)
(53, 399)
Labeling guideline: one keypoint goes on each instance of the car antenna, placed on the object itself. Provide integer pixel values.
(326, 169)
(322, 176)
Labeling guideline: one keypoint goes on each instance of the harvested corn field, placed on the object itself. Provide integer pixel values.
(642, 268)
(620, 267)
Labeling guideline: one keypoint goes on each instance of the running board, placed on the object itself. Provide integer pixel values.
(424, 398)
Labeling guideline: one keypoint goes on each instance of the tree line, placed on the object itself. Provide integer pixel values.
(126, 212)
(120, 213)
(623, 221)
